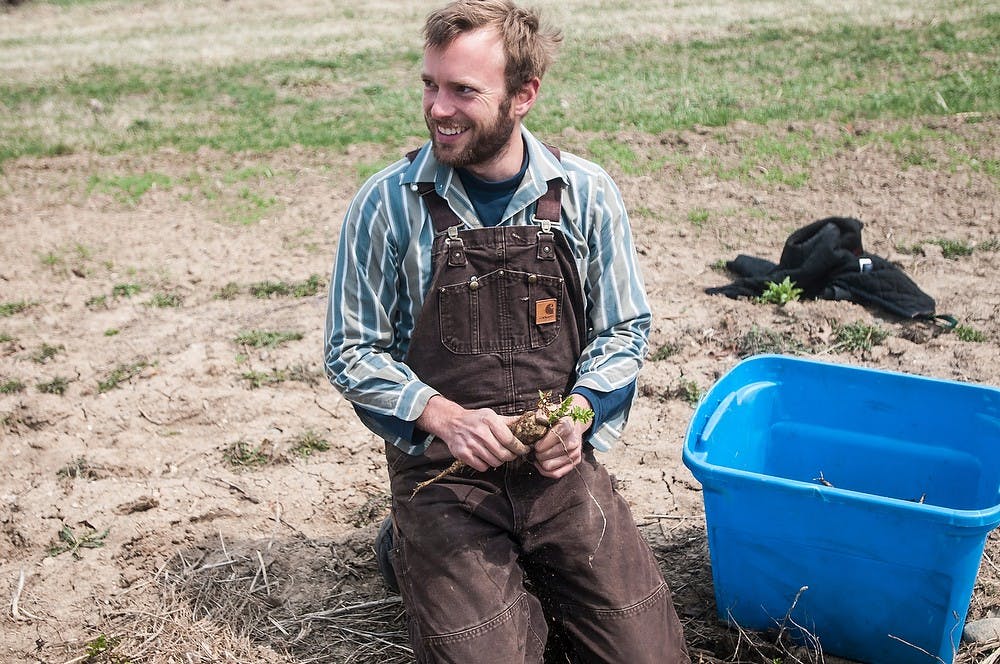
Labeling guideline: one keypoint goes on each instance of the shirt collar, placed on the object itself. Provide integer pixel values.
(542, 167)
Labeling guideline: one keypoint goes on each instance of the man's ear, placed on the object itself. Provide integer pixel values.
(525, 97)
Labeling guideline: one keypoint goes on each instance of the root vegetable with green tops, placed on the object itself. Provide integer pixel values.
(529, 428)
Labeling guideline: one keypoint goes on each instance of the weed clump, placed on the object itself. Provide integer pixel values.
(11, 386)
(120, 374)
(264, 339)
(57, 385)
(971, 334)
(242, 454)
(761, 340)
(72, 542)
(780, 293)
(309, 443)
(858, 336)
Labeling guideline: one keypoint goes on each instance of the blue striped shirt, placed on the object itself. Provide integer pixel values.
(383, 271)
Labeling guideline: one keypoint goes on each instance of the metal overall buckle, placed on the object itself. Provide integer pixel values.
(455, 248)
(546, 249)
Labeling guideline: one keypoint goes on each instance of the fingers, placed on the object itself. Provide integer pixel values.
(500, 427)
(482, 440)
(555, 472)
(560, 450)
(481, 455)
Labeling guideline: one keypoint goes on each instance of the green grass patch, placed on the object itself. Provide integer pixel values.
(953, 249)
(101, 649)
(50, 259)
(606, 151)
(128, 189)
(242, 454)
(840, 71)
(760, 340)
(257, 379)
(698, 216)
(121, 374)
(125, 290)
(250, 207)
(309, 443)
(13, 308)
(648, 85)
(266, 339)
(228, 292)
(46, 352)
(300, 373)
(57, 385)
(165, 300)
(858, 336)
(267, 289)
(782, 159)
(248, 106)
(72, 541)
(11, 386)
(950, 249)
(97, 302)
(966, 333)
(663, 352)
(687, 390)
(81, 467)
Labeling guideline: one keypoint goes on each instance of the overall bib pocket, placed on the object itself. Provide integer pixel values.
(501, 311)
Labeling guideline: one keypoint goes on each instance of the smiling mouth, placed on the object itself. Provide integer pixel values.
(451, 131)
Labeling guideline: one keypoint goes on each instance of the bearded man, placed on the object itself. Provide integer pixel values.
(481, 270)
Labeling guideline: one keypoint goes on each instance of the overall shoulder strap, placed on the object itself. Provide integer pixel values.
(442, 216)
(548, 207)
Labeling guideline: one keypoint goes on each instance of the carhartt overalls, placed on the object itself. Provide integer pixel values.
(502, 321)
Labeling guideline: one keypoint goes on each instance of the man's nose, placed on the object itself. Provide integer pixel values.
(441, 105)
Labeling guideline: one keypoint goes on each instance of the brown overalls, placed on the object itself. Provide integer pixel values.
(489, 562)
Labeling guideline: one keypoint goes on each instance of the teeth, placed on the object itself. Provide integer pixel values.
(450, 131)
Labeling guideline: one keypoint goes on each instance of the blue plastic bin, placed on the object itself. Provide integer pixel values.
(872, 490)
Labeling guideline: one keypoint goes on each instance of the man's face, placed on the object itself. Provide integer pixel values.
(466, 104)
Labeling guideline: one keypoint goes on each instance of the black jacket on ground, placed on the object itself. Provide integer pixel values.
(827, 260)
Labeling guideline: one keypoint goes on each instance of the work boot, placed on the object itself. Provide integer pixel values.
(383, 554)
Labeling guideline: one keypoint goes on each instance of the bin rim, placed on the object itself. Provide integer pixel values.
(709, 475)
(986, 518)
(762, 358)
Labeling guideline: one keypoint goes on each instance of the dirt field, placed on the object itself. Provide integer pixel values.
(183, 555)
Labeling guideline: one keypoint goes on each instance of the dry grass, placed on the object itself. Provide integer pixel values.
(263, 601)
(42, 41)
(302, 601)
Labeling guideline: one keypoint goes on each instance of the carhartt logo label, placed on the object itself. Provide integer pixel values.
(545, 312)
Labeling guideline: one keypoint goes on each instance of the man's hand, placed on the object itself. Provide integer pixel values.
(479, 438)
(561, 449)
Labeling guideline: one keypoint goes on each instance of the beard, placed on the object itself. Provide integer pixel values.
(485, 142)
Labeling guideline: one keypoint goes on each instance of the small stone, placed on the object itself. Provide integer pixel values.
(982, 631)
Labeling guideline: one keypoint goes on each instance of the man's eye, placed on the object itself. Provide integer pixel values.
(428, 85)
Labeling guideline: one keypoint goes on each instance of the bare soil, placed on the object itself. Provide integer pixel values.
(192, 558)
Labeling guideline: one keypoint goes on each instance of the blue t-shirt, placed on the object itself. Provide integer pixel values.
(490, 199)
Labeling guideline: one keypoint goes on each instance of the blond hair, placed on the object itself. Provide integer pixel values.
(529, 45)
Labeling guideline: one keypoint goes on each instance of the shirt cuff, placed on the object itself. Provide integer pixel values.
(606, 404)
